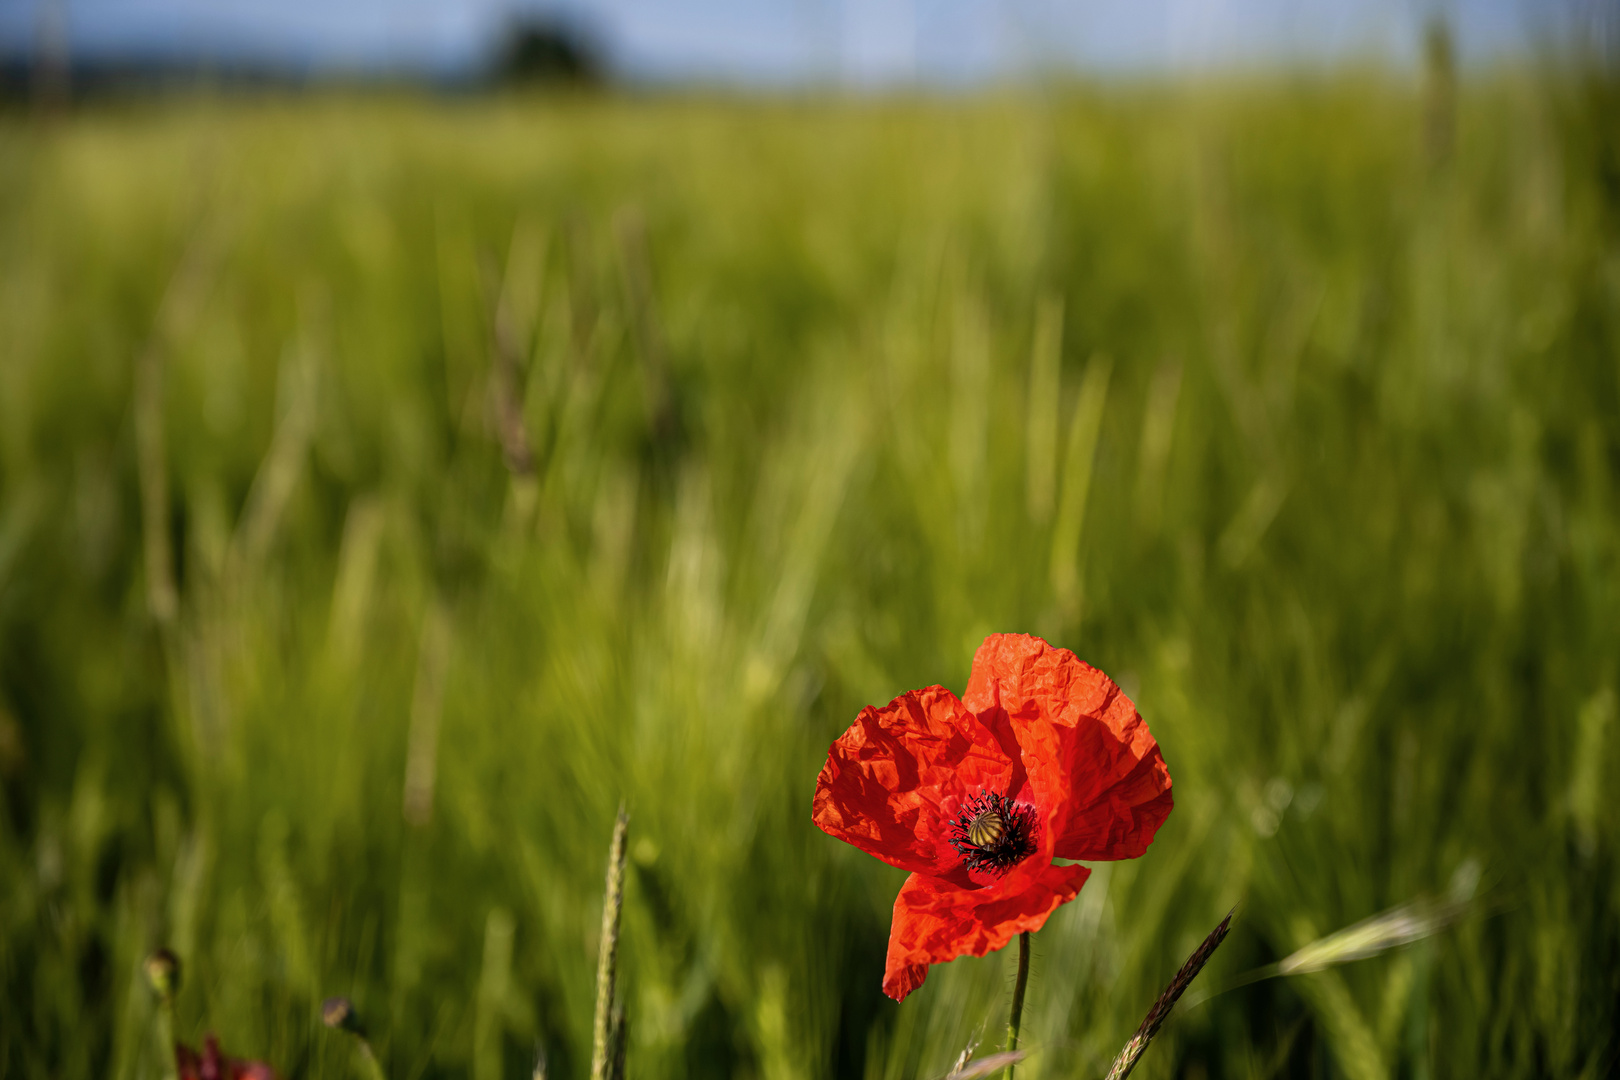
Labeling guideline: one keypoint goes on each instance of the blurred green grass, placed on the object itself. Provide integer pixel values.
(1299, 420)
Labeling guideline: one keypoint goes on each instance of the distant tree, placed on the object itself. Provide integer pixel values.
(538, 49)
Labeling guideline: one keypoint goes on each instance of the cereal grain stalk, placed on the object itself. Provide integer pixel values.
(1132, 1053)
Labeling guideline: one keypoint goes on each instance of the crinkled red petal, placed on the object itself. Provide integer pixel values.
(251, 1070)
(893, 780)
(936, 921)
(1094, 768)
(187, 1065)
(213, 1064)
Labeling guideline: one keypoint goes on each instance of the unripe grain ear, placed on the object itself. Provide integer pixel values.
(1138, 1044)
(607, 1045)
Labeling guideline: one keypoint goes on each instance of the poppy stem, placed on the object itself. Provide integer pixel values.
(1016, 1017)
(163, 974)
(166, 1037)
(338, 1014)
(368, 1060)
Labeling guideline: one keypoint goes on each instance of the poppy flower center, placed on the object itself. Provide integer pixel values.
(992, 833)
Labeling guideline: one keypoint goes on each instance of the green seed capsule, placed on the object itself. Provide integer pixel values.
(163, 972)
(986, 829)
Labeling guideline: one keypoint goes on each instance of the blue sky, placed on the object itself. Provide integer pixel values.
(862, 42)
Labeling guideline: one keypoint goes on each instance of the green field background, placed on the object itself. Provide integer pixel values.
(390, 486)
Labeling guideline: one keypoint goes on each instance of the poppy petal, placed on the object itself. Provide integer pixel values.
(213, 1064)
(899, 772)
(1093, 765)
(188, 1066)
(936, 921)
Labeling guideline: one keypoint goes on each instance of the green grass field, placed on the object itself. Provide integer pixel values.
(389, 486)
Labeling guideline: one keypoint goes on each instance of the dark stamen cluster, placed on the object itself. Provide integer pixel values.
(992, 833)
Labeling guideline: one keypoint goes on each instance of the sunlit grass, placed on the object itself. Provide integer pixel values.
(1305, 432)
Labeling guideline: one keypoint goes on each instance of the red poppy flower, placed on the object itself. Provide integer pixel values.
(212, 1064)
(1043, 758)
